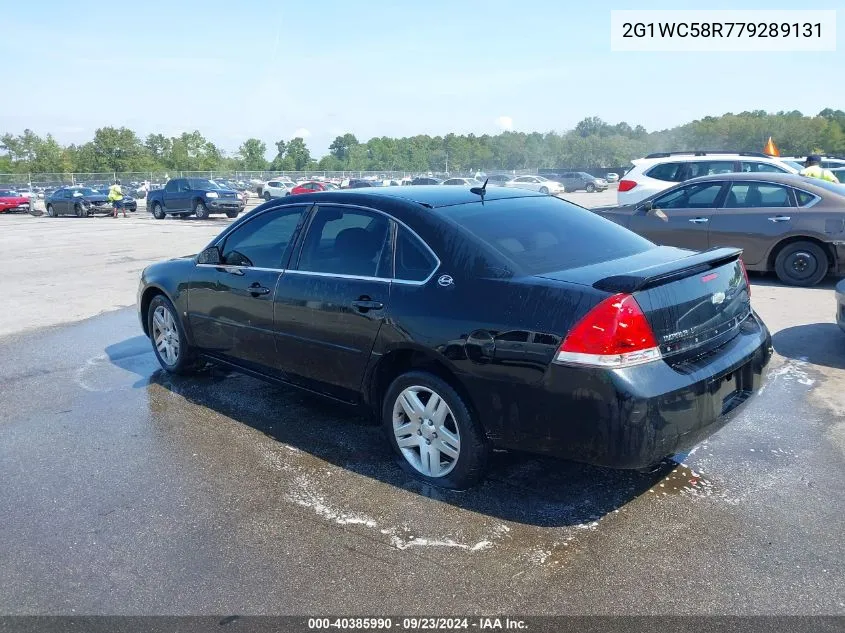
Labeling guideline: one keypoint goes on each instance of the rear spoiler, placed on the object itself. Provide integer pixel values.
(669, 271)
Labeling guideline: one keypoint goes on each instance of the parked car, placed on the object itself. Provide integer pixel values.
(840, 304)
(129, 201)
(540, 184)
(498, 179)
(193, 196)
(12, 202)
(310, 187)
(426, 180)
(785, 223)
(79, 201)
(545, 327)
(277, 189)
(356, 183)
(612, 177)
(581, 181)
(463, 182)
(660, 171)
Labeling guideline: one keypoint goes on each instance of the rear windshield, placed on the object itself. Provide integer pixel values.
(537, 235)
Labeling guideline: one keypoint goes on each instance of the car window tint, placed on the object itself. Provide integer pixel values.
(756, 195)
(670, 172)
(171, 186)
(346, 242)
(804, 198)
(709, 167)
(697, 196)
(272, 183)
(757, 167)
(262, 242)
(540, 235)
(414, 262)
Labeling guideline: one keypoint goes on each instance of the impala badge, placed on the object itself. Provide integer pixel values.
(446, 281)
(717, 298)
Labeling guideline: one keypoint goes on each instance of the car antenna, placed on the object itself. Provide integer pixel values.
(480, 190)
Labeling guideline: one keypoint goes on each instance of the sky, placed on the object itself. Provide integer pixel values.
(275, 70)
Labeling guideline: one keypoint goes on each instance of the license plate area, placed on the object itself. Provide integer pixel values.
(732, 389)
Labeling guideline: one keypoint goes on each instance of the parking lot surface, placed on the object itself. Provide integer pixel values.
(128, 491)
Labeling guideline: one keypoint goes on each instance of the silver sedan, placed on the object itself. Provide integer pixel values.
(536, 183)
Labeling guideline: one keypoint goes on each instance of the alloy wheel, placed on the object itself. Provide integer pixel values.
(426, 431)
(166, 335)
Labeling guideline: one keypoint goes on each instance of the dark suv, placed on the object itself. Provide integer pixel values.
(581, 180)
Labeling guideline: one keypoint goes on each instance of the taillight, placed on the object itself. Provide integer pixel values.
(614, 334)
(626, 185)
(745, 274)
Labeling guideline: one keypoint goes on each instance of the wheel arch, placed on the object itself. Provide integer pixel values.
(403, 359)
(825, 246)
(150, 293)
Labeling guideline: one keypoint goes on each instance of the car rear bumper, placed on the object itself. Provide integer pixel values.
(840, 304)
(635, 417)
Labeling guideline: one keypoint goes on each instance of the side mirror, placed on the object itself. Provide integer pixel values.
(211, 255)
(648, 207)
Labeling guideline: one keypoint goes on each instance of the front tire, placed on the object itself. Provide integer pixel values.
(544, 191)
(267, 196)
(80, 211)
(232, 214)
(433, 431)
(158, 211)
(590, 188)
(801, 264)
(170, 345)
(200, 210)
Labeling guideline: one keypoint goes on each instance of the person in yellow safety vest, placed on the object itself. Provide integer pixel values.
(813, 169)
(116, 198)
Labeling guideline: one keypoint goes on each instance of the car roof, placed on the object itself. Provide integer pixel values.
(432, 196)
(681, 158)
(793, 180)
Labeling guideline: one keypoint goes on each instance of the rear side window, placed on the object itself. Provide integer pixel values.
(709, 167)
(414, 262)
(544, 234)
(757, 167)
(756, 195)
(670, 172)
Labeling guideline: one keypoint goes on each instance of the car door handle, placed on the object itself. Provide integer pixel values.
(780, 218)
(365, 305)
(257, 289)
(699, 220)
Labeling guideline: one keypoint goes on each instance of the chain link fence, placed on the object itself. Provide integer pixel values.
(248, 178)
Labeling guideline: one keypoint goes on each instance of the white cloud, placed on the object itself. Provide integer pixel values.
(301, 133)
(504, 123)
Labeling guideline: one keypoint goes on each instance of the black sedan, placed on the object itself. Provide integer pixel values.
(79, 201)
(468, 319)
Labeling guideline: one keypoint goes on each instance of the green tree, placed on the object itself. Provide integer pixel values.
(341, 146)
(252, 154)
(297, 153)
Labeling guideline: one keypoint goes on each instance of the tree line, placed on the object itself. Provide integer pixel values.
(592, 143)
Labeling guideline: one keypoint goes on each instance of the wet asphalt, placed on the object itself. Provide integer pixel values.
(127, 491)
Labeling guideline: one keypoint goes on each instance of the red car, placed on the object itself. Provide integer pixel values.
(312, 186)
(11, 201)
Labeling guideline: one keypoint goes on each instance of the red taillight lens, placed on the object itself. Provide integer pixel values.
(626, 185)
(613, 334)
(745, 274)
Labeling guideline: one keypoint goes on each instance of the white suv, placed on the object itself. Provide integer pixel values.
(657, 172)
(276, 189)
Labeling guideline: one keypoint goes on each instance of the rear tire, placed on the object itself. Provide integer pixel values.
(170, 345)
(801, 264)
(200, 210)
(423, 433)
(158, 211)
(590, 188)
